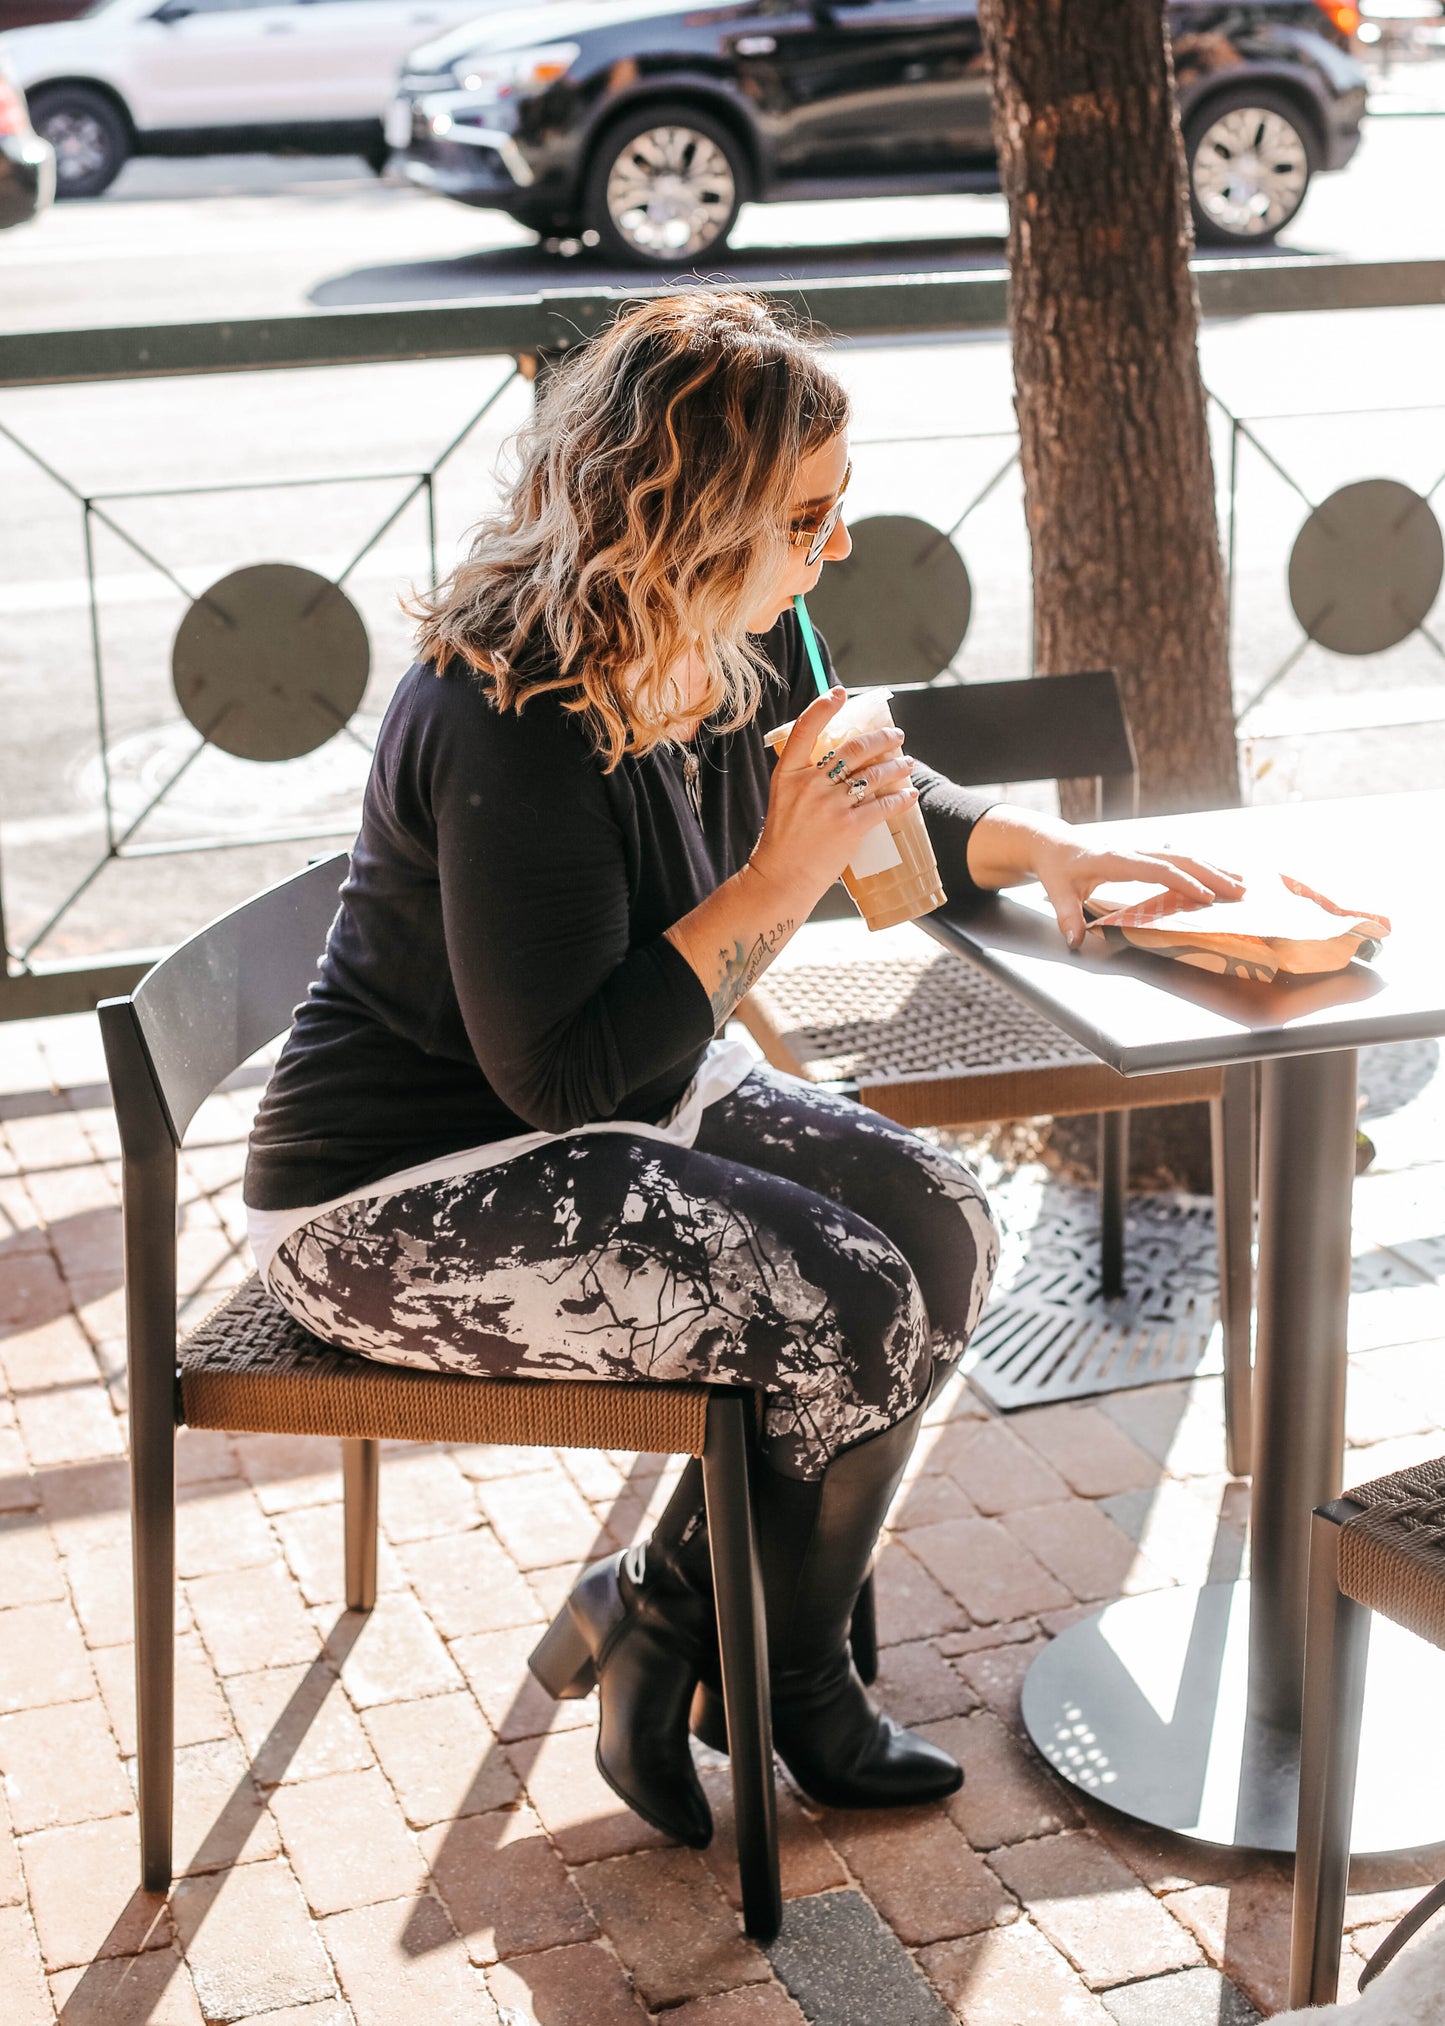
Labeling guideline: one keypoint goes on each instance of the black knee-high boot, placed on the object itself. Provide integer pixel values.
(639, 1625)
(816, 1540)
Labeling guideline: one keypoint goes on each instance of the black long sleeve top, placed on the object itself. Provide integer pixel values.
(498, 964)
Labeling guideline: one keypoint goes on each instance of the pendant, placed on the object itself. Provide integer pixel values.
(691, 772)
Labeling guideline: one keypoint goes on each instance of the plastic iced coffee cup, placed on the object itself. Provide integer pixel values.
(893, 875)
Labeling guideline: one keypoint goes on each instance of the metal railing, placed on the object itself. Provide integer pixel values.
(530, 330)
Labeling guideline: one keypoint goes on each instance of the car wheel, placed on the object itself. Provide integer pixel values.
(89, 136)
(1250, 155)
(665, 186)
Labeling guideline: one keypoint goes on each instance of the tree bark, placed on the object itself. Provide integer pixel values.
(1118, 478)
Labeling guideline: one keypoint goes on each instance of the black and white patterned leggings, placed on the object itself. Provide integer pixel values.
(803, 1245)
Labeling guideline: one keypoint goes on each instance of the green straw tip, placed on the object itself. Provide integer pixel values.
(810, 643)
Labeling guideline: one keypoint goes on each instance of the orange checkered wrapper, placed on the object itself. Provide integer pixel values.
(1281, 928)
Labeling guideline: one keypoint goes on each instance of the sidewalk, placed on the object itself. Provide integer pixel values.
(382, 1821)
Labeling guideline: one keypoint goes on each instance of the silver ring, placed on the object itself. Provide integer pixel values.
(857, 789)
(837, 770)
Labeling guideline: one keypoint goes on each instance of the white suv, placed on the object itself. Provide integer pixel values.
(150, 77)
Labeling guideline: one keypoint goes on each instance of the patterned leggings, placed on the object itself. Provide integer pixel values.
(803, 1245)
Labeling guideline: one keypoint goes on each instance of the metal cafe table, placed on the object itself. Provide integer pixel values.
(1181, 1707)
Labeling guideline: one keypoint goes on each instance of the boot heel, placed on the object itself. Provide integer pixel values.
(562, 1659)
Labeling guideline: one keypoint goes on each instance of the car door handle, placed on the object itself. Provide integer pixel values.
(756, 45)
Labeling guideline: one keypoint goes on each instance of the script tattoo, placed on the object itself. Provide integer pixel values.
(742, 967)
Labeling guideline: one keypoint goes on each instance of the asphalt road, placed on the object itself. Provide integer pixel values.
(934, 421)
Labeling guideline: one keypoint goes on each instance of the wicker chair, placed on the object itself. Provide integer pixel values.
(1380, 1548)
(930, 1040)
(192, 1020)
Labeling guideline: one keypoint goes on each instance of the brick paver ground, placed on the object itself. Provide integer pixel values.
(383, 1820)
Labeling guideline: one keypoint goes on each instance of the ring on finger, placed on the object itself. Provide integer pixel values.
(837, 770)
(857, 789)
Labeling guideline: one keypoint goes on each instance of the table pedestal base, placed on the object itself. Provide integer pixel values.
(1145, 1706)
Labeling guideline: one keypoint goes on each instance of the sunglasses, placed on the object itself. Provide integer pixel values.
(817, 527)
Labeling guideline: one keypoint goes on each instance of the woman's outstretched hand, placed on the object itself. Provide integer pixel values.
(1008, 845)
(815, 822)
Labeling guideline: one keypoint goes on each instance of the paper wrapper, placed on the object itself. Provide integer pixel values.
(1281, 928)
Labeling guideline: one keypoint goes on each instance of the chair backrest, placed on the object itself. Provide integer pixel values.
(1047, 728)
(201, 1011)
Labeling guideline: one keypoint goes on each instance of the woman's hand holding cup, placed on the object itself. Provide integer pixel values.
(816, 816)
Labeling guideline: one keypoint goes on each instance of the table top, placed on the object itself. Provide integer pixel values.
(1139, 1012)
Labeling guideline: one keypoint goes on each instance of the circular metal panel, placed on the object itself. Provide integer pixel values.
(1366, 566)
(270, 662)
(898, 608)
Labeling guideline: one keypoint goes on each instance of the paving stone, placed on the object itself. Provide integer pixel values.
(996, 1674)
(992, 1574)
(347, 1841)
(392, 1654)
(313, 1539)
(577, 1986)
(330, 2012)
(673, 1930)
(540, 1519)
(468, 1583)
(200, 1707)
(911, 1605)
(18, 1489)
(754, 2005)
(61, 1765)
(1193, 1531)
(1087, 1449)
(592, 1471)
(1180, 1423)
(976, 1638)
(42, 1657)
(220, 1817)
(997, 1471)
(515, 1703)
(423, 1494)
(27, 2000)
(100, 1583)
(807, 1861)
(441, 1758)
(251, 1617)
(249, 1943)
(54, 1354)
(219, 1529)
(843, 1967)
(1094, 1909)
(1244, 1928)
(290, 1470)
(84, 1897)
(31, 1290)
(1085, 1550)
(1008, 1795)
(920, 1873)
(12, 1884)
(928, 1499)
(504, 1886)
(204, 1456)
(482, 1460)
(1186, 1998)
(1011, 1976)
(917, 1685)
(402, 1962)
(88, 1505)
(578, 1809)
(297, 1724)
(149, 1990)
(67, 1426)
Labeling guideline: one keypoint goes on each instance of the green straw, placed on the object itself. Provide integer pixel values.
(810, 641)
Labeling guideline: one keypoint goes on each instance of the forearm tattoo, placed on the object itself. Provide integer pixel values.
(740, 969)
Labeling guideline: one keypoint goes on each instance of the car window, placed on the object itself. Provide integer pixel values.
(177, 9)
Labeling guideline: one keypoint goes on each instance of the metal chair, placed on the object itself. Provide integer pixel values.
(1381, 1548)
(929, 1039)
(194, 1018)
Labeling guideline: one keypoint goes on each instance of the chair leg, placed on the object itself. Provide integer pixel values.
(153, 1550)
(360, 1477)
(1113, 1198)
(1336, 1647)
(863, 1633)
(1232, 1143)
(743, 1649)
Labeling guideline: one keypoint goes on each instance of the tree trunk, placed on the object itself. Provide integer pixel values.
(1118, 478)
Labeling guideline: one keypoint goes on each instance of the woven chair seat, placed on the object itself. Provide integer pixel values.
(892, 1011)
(250, 1367)
(1392, 1555)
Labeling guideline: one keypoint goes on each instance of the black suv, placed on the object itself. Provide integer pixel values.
(648, 124)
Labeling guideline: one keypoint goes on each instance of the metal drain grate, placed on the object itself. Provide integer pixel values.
(1048, 1332)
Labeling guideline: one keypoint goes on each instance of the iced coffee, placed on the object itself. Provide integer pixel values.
(892, 876)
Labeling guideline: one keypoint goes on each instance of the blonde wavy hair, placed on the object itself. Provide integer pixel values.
(647, 518)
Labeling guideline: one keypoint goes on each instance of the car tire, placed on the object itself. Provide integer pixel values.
(89, 134)
(1249, 155)
(664, 186)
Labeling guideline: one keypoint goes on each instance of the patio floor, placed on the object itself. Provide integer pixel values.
(380, 1820)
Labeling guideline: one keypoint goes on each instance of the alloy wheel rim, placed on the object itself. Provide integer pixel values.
(671, 192)
(1250, 171)
(80, 145)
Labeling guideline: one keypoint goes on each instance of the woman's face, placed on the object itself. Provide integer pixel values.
(820, 479)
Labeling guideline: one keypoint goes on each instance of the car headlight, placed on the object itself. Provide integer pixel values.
(516, 73)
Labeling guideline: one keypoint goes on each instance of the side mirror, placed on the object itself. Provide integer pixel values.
(173, 11)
